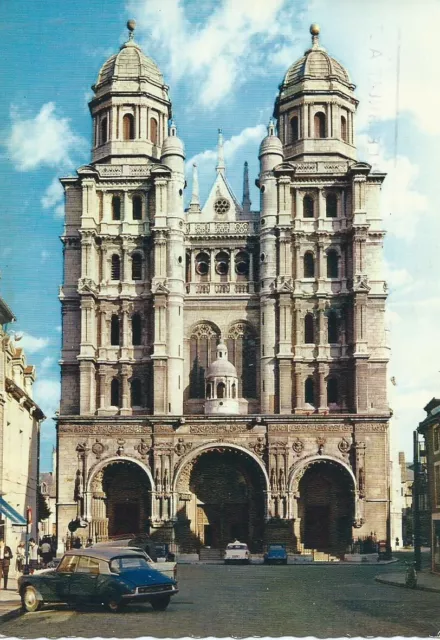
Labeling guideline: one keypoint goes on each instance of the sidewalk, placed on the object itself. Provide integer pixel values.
(10, 604)
(426, 581)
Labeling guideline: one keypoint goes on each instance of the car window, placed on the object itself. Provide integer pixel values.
(237, 546)
(276, 546)
(68, 564)
(87, 565)
(128, 563)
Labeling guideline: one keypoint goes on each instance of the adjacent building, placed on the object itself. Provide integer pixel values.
(223, 366)
(48, 490)
(20, 420)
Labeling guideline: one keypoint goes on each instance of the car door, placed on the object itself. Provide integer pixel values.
(62, 577)
(83, 583)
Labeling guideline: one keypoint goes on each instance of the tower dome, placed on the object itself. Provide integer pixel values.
(222, 384)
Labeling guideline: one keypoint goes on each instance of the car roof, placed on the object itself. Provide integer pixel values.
(105, 553)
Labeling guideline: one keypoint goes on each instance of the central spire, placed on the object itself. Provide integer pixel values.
(246, 198)
(220, 168)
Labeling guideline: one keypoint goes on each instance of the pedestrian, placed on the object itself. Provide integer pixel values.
(21, 555)
(89, 542)
(77, 543)
(33, 555)
(5, 561)
(46, 551)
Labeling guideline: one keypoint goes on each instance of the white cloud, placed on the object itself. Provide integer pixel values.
(397, 277)
(45, 140)
(53, 198)
(31, 344)
(44, 255)
(46, 363)
(47, 395)
(58, 328)
(222, 52)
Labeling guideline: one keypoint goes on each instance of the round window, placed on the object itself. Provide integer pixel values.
(222, 268)
(202, 268)
(222, 206)
(242, 268)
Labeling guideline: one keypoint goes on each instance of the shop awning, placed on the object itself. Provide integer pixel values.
(11, 513)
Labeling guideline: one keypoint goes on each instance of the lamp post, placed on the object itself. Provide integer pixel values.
(416, 504)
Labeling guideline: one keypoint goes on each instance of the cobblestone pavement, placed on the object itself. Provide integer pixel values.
(241, 601)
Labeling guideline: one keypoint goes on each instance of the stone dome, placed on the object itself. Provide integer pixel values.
(316, 64)
(129, 64)
(221, 367)
(271, 143)
(173, 145)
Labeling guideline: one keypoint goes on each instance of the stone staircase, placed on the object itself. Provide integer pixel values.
(206, 553)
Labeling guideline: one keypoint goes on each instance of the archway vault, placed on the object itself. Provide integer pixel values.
(298, 469)
(99, 466)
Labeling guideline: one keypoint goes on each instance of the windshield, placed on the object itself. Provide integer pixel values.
(128, 563)
(276, 547)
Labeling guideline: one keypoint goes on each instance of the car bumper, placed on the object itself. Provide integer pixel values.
(275, 560)
(140, 596)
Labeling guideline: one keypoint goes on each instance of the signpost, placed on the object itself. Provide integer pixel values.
(26, 552)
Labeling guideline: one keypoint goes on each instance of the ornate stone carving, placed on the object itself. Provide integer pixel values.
(120, 449)
(298, 446)
(203, 330)
(344, 446)
(360, 283)
(258, 447)
(142, 448)
(105, 429)
(98, 449)
(182, 447)
(320, 441)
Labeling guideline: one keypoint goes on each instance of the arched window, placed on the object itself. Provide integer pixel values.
(153, 131)
(242, 352)
(114, 393)
(221, 390)
(309, 265)
(308, 207)
(309, 391)
(208, 391)
(222, 265)
(294, 128)
(332, 391)
(104, 130)
(332, 328)
(203, 261)
(319, 122)
(137, 208)
(332, 264)
(136, 329)
(114, 331)
(234, 391)
(116, 267)
(128, 127)
(242, 265)
(136, 393)
(344, 129)
(116, 208)
(203, 347)
(136, 266)
(309, 329)
(331, 205)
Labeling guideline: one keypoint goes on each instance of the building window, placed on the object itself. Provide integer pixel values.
(116, 267)
(221, 390)
(332, 391)
(136, 393)
(436, 438)
(309, 265)
(203, 348)
(309, 391)
(104, 130)
(309, 329)
(136, 329)
(203, 261)
(319, 122)
(153, 131)
(114, 331)
(294, 128)
(332, 264)
(114, 393)
(136, 266)
(128, 127)
(137, 208)
(308, 207)
(222, 264)
(331, 206)
(116, 208)
(242, 352)
(437, 484)
(242, 265)
(344, 129)
(332, 328)
(234, 391)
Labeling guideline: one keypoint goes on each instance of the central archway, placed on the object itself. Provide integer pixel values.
(225, 497)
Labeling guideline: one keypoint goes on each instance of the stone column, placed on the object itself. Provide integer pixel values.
(125, 392)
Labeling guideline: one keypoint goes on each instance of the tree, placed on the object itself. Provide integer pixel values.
(43, 508)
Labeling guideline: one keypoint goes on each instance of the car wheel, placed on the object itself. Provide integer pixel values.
(114, 605)
(30, 599)
(160, 603)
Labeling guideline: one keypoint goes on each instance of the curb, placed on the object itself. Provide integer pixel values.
(10, 615)
(403, 585)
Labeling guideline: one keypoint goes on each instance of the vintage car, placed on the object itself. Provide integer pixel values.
(113, 577)
(237, 552)
(275, 554)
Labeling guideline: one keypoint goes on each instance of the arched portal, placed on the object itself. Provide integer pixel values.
(120, 493)
(224, 498)
(326, 506)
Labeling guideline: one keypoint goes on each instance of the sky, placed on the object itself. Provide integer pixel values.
(223, 61)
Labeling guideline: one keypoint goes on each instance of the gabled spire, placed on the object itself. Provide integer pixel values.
(271, 129)
(194, 205)
(220, 168)
(246, 199)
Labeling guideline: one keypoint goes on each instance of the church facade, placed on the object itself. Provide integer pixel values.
(224, 369)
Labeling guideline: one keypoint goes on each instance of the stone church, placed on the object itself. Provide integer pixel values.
(224, 368)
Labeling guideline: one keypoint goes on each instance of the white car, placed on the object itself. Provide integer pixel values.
(237, 552)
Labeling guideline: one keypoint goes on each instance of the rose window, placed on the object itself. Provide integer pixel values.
(222, 205)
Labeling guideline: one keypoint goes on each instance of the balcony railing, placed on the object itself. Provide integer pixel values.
(220, 288)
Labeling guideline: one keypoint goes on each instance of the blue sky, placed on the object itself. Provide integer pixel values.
(223, 61)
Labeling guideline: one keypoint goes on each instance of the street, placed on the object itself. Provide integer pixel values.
(241, 601)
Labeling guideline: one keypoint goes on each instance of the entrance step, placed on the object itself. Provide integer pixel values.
(206, 553)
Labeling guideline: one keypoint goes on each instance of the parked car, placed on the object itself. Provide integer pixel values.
(163, 565)
(237, 552)
(113, 577)
(275, 554)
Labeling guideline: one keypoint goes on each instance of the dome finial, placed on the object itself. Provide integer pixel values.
(315, 30)
(271, 129)
(131, 26)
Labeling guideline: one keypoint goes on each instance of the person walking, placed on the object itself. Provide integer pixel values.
(5, 561)
(46, 551)
(33, 555)
(21, 555)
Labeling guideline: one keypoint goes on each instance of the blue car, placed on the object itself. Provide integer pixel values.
(275, 554)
